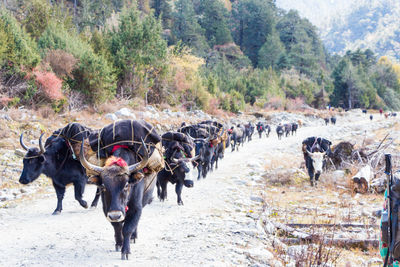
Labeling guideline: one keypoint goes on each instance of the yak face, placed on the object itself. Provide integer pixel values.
(116, 179)
(33, 161)
(317, 159)
(33, 166)
(116, 186)
(180, 167)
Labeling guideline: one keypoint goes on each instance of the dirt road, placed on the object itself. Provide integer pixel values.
(217, 226)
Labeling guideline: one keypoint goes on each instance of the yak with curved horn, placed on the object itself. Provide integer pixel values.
(315, 150)
(128, 177)
(56, 162)
(178, 156)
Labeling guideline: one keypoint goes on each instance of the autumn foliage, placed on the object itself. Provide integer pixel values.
(49, 84)
(61, 62)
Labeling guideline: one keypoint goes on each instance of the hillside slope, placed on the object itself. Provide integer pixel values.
(349, 25)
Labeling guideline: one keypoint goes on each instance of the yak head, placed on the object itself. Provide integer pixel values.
(317, 159)
(33, 161)
(180, 165)
(116, 179)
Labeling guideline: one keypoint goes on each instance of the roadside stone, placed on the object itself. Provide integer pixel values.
(5, 117)
(260, 254)
(125, 112)
(111, 116)
(152, 109)
(257, 199)
(374, 261)
(19, 152)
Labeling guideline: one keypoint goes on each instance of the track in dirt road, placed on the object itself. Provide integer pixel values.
(217, 226)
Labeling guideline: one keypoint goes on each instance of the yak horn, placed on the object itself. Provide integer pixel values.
(87, 164)
(21, 141)
(195, 158)
(140, 165)
(42, 149)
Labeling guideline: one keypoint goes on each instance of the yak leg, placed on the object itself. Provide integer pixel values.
(178, 190)
(199, 170)
(316, 177)
(311, 174)
(162, 195)
(60, 191)
(132, 220)
(213, 158)
(96, 198)
(158, 189)
(204, 170)
(79, 188)
(118, 235)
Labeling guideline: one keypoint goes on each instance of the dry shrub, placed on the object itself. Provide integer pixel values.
(61, 62)
(46, 112)
(49, 84)
(278, 180)
(4, 130)
(213, 105)
(163, 106)
(4, 100)
(108, 107)
(275, 103)
(76, 100)
(294, 104)
(320, 251)
(318, 254)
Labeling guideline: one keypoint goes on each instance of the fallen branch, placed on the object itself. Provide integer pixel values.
(343, 242)
(292, 231)
(383, 140)
(328, 225)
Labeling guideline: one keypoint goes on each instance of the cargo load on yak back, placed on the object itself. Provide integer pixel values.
(218, 138)
(178, 155)
(389, 243)
(134, 156)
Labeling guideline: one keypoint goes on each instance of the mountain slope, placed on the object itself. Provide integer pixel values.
(349, 25)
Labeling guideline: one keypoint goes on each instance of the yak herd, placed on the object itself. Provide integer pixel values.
(128, 159)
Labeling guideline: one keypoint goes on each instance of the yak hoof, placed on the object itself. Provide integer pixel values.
(124, 256)
(93, 207)
(188, 183)
(118, 248)
(57, 212)
(180, 203)
(84, 204)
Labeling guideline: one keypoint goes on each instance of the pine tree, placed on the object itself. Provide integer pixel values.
(187, 29)
(253, 21)
(270, 52)
(163, 8)
(213, 19)
(138, 50)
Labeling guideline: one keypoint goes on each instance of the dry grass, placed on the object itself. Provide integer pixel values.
(46, 112)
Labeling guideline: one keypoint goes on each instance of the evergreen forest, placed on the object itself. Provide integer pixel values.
(230, 55)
